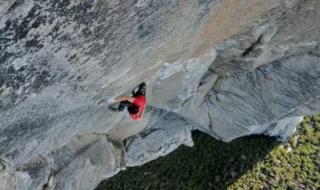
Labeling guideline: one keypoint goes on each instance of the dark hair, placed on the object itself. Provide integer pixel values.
(133, 109)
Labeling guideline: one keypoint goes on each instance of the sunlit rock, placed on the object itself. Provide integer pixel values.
(229, 68)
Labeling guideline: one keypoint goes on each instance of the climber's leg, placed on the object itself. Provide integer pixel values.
(121, 106)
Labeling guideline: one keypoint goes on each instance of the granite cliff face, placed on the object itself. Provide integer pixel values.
(228, 68)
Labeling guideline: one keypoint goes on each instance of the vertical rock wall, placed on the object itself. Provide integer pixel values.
(229, 68)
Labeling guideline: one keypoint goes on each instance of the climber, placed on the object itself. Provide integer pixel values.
(135, 105)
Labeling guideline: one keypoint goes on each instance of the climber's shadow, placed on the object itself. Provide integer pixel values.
(210, 164)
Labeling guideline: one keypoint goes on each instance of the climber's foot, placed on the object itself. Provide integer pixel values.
(113, 109)
(100, 102)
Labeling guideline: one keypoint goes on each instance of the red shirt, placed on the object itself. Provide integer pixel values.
(141, 102)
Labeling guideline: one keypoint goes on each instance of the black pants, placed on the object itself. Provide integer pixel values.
(141, 91)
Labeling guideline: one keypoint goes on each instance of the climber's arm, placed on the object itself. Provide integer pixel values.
(124, 98)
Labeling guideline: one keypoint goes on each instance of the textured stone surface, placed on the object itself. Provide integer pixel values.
(161, 137)
(229, 68)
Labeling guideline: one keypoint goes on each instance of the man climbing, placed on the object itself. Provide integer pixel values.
(135, 105)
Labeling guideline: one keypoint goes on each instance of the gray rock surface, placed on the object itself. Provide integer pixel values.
(229, 68)
(160, 138)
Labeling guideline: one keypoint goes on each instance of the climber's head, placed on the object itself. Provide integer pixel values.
(133, 109)
(143, 86)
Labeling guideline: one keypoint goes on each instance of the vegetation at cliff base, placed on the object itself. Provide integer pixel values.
(254, 162)
(295, 165)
